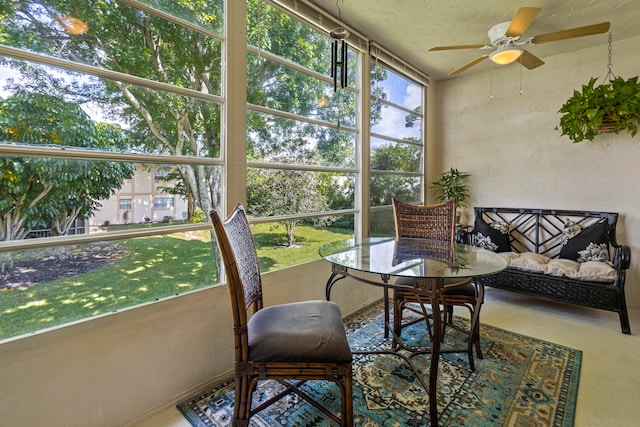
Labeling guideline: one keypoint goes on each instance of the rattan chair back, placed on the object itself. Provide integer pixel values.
(434, 222)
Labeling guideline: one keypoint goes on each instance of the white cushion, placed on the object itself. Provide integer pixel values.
(597, 271)
(528, 261)
(562, 267)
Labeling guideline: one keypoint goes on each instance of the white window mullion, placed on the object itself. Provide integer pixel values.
(234, 115)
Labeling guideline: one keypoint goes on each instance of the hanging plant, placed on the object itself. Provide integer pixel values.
(606, 108)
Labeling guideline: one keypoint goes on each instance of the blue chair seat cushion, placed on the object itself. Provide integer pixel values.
(308, 331)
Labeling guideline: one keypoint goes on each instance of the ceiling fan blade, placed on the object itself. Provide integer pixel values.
(529, 60)
(521, 21)
(588, 30)
(469, 64)
(462, 46)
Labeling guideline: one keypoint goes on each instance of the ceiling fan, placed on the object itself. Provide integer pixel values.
(505, 40)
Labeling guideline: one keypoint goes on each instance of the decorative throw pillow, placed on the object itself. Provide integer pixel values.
(590, 244)
(494, 236)
(571, 230)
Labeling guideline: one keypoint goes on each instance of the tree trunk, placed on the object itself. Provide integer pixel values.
(290, 233)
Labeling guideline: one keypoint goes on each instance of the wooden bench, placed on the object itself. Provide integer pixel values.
(535, 242)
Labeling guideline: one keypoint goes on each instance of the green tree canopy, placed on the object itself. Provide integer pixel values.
(392, 158)
(43, 192)
(121, 38)
(277, 192)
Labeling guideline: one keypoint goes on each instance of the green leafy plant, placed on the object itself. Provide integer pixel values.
(452, 185)
(606, 108)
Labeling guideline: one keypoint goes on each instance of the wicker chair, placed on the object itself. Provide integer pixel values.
(291, 343)
(435, 222)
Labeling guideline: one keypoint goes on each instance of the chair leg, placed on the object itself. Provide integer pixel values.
(347, 404)
(397, 320)
(476, 340)
(242, 405)
(474, 336)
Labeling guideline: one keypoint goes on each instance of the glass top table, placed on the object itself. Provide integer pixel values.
(430, 263)
(412, 258)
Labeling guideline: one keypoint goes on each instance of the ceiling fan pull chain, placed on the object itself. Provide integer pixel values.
(491, 82)
(521, 91)
(610, 75)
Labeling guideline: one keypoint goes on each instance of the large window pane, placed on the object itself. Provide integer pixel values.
(298, 93)
(280, 192)
(385, 186)
(395, 89)
(282, 140)
(396, 146)
(389, 155)
(120, 38)
(51, 287)
(381, 223)
(207, 15)
(397, 123)
(272, 239)
(271, 30)
(156, 122)
(111, 143)
(301, 133)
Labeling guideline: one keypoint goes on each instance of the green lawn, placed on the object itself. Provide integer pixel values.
(154, 268)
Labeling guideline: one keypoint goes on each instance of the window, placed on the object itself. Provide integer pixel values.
(163, 202)
(125, 203)
(109, 121)
(160, 175)
(301, 134)
(396, 146)
(91, 103)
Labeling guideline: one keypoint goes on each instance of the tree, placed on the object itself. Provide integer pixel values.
(40, 192)
(273, 85)
(278, 192)
(393, 157)
(121, 38)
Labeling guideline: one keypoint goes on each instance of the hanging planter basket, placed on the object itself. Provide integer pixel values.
(607, 108)
(607, 126)
(611, 125)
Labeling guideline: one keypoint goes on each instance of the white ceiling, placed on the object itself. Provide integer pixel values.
(409, 28)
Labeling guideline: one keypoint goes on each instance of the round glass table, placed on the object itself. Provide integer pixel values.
(430, 263)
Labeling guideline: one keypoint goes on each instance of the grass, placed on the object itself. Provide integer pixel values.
(154, 268)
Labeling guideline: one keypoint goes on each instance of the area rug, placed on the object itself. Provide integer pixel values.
(521, 381)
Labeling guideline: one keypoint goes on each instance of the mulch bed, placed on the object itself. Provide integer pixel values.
(78, 260)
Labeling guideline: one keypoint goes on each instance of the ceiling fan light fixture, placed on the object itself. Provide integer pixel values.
(506, 54)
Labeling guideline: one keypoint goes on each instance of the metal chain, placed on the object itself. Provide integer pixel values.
(610, 75)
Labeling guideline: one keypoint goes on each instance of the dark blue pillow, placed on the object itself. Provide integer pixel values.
(494, 236)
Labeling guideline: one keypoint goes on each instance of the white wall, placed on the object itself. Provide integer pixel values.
(518, 159)
(113, 370)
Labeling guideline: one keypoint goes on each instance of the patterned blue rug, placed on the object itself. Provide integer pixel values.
(521, 381)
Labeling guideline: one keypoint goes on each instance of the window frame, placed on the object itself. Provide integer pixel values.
(233, 109)
(379, 56)
(22, 150)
